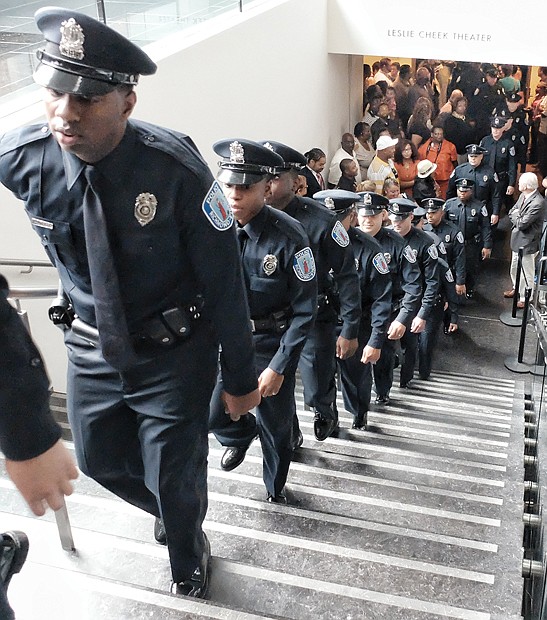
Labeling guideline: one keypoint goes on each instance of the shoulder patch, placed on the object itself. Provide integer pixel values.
(512, 151)
(484, 211)
(432, 251)
(409, 254)
(304, 265)
(216, 208)
(340, 235)
(448, 275)
(495, 178)
(459, 236)
(380, 264)
(441, 247)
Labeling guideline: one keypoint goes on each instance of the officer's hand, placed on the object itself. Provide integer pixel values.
(418, 325)
(510, 190)
(460, 289)
(346, 348)
(269, 382)
(485, 253)
(396, 331)
(236, 406)
(370, 355)
(453, 327)
(44, 480)
(494, 219)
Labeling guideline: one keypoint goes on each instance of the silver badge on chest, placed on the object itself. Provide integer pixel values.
(145, 208)
(72, 39)
(269, 264)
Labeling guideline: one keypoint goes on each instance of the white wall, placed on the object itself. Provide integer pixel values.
(269, 76)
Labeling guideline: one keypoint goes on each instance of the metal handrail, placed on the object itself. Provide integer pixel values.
(17, 292)
(30, 264)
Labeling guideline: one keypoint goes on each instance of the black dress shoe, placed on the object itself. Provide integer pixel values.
(382, 400)
(470, 293)
(13, 553)
(323, 428)
(159, 532)
(360, 423)
(298, 442)
(196, 585)
(277, 499)
(424, 376)
(405, 386)
(445, 330)
(233, 457)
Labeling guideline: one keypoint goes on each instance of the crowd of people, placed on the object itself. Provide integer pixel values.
(248, 277)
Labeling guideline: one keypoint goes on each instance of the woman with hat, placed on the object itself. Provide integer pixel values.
(425, 185)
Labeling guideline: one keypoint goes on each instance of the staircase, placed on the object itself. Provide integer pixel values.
(418, 518)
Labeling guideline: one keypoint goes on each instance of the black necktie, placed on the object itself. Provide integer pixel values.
(242, 237)
(111, 322)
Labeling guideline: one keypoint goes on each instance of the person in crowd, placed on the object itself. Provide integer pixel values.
(441, 152)
(36, 460)
(459, 130)
(349, 171)
(315, 164)
(448, 107)
(345, 151)
(509, 83)
(421, 88)
(301, 185)
(425, 185)
(366, 186)
(443, 75)
(375, 282)
(391, 188)
(384, 72)
(527, 221)
(156, 324)
(419, 124)
(401, 86)
(542, 135)
(384, 123)
(518, 129)
(470, 215)
(406, 163)
(401, 215)
(364, 151)
(541, 92)
(368, 80)
(488, 100)
(501, 155)
(485, 185)
(395, 68)
(406, 289)
(374, 96)
(382, 165)
(338, 285)
(467, 77)
(280, 275)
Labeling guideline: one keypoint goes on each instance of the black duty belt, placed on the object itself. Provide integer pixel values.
(276, 322)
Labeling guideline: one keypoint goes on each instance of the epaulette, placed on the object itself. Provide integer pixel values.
(23, 135)
(288, 226)
(316, 208)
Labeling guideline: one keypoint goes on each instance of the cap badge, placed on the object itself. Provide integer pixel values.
(367, 200)
(485, 178)
(269, 264)
(72, 39)
(430, 203)
(269, 146)
(329, 203)
(237, 154)
(145, 208)
(395, 208)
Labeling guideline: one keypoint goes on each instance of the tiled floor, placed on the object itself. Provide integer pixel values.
(142, 21)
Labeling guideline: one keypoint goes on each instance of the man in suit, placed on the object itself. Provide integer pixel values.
(316, 160)
(527, 220)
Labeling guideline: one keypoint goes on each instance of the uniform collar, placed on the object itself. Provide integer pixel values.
(255, 227)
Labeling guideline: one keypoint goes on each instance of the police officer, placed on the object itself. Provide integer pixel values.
(451, 242)
(401, 215)
(488, 100)
(36, 460)
(486, 188)
(280, 278)
(375, 281)
(519, 129)
(406, 287)
(135, 224)
(501, 156)
(335, 270)
(471, 217)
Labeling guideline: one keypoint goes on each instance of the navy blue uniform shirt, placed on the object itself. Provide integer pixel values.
(486, 184)
(453, 246)
(471, 218)
(501, 157)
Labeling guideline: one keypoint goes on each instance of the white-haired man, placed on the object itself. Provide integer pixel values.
(527, 221)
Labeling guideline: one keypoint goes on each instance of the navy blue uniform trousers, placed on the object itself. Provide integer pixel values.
(273, 423)
(142, 434)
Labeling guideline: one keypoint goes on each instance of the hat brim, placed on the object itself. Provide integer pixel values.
(423, 175)
(397, 217)
(364, 211)
(70, 83)
(239, 177)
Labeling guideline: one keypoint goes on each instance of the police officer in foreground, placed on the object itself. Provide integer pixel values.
(375, 282)
(486, 188)
(406, 287)
(471, 217)
(501, 156)
(338, 284)
(30, 439)
(145, 247)
(279, 271)
(401, 214)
